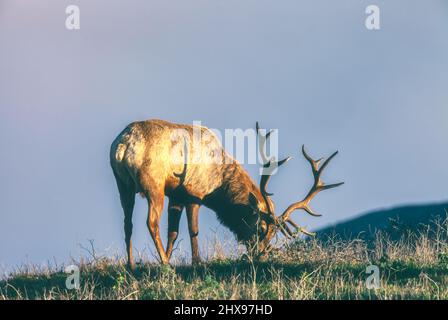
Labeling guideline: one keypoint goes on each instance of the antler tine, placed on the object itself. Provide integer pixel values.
(262, 145)
(307, 157)
(263, 184)
(318, 186)
(328, 161)
(298, 228)
(286, 231)
(269, 164)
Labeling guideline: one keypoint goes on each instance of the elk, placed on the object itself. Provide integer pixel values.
(147, 158)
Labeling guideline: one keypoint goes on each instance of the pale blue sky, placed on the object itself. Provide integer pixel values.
(309, 68)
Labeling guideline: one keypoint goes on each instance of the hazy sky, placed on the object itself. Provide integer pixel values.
(309, 68)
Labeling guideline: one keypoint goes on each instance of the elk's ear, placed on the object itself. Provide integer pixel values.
(253, 202)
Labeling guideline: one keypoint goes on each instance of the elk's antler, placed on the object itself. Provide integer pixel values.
(269, 167)
(318, 186)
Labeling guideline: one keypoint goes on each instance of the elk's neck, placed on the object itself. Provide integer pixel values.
(230, 201)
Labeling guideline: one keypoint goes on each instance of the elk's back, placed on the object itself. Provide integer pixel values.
(149, 154)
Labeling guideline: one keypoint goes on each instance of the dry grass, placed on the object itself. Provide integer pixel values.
(415, 267)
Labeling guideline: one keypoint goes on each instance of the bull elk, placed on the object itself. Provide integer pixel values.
(145, 159)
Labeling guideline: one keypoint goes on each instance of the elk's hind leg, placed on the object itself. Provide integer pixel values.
(193, 228)
(174, 214)
(127, 198)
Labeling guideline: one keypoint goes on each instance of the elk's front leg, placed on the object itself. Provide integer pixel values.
(174, 214)
(193, 228)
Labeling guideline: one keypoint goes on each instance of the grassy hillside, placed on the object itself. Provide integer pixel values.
(415, 267)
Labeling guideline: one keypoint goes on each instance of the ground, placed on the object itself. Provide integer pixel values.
(414, 267)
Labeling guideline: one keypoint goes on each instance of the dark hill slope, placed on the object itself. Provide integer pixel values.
(395, 221)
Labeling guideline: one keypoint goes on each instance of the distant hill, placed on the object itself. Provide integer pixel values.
(395, 221)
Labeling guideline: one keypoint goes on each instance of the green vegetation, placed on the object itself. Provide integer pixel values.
(414, 267)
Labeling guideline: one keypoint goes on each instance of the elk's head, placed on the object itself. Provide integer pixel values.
(269, 223)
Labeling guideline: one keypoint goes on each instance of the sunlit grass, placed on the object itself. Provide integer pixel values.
(415, 267)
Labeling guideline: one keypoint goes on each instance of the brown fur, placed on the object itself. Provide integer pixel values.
(145, 159)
